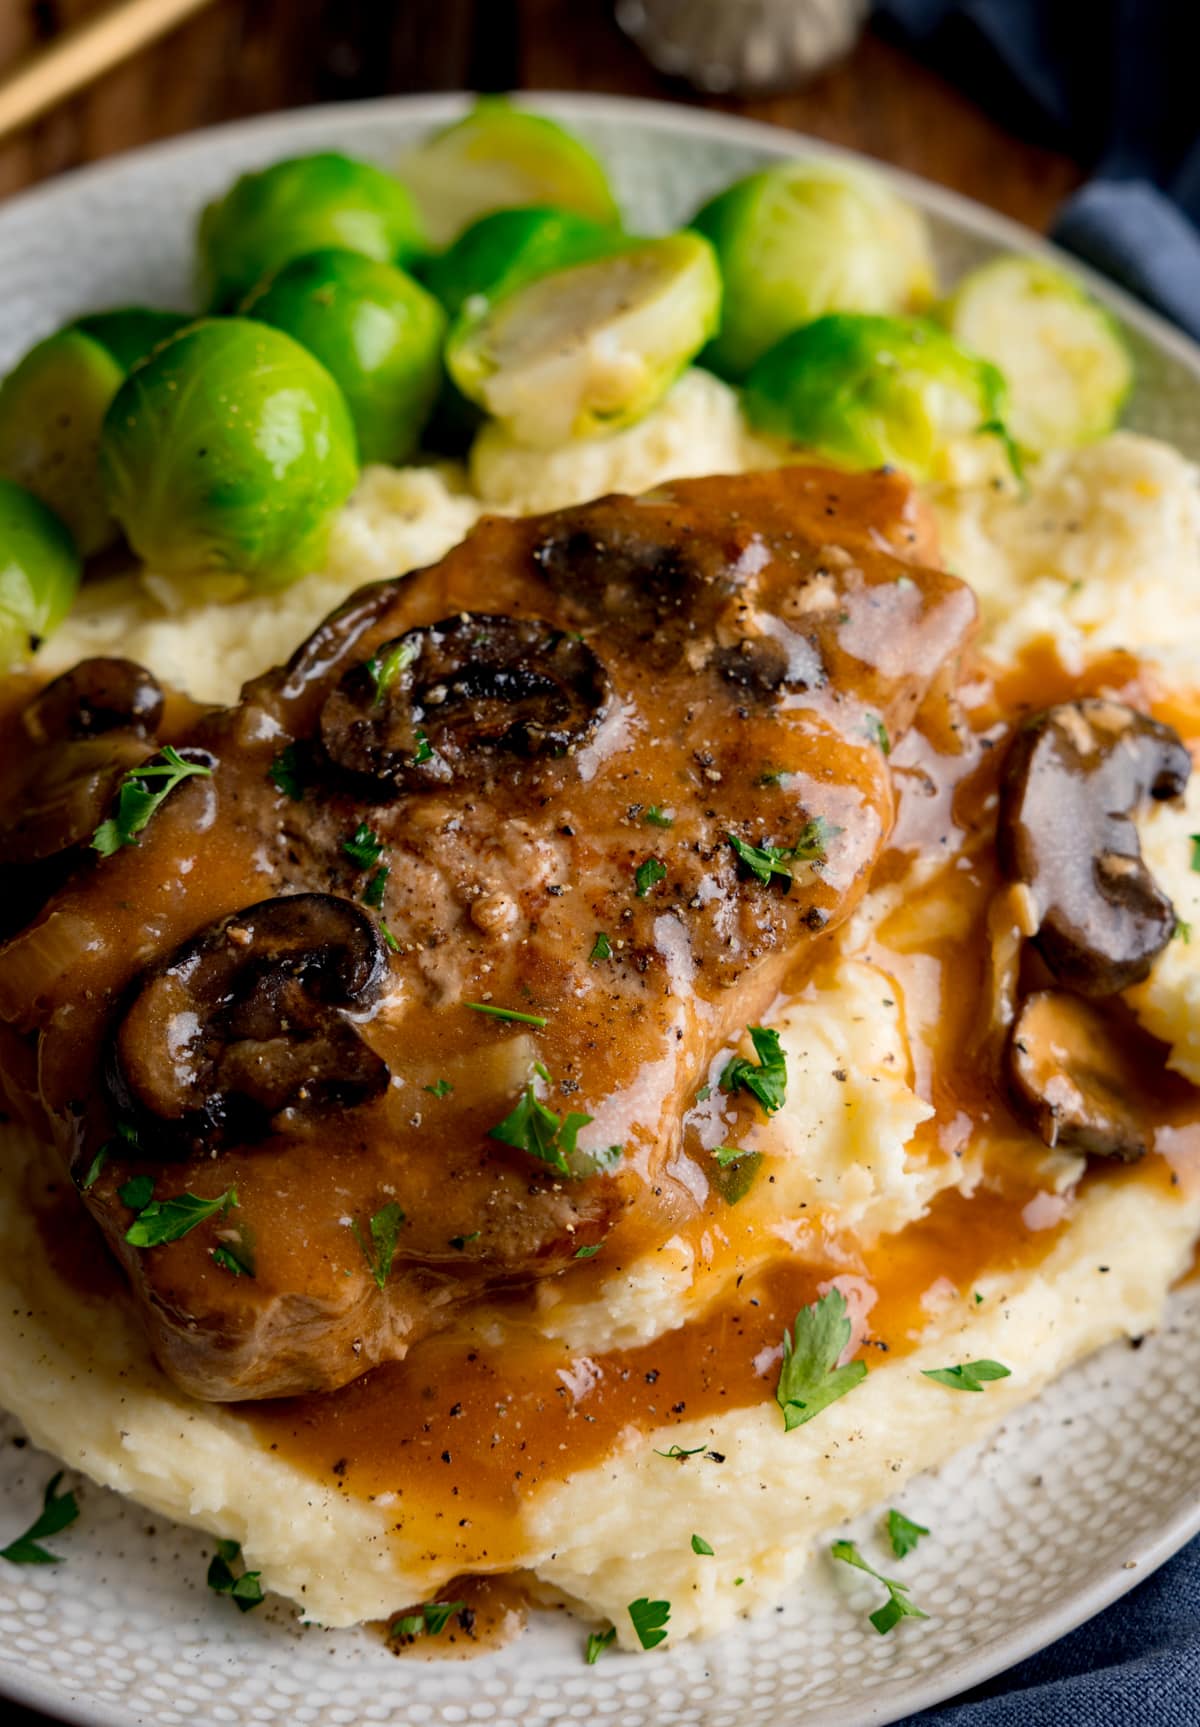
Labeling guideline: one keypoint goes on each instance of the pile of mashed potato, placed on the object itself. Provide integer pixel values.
(1101, 550)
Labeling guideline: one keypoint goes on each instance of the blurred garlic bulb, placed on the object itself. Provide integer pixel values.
(743, 45)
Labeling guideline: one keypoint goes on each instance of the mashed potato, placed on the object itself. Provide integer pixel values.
(1103, 550)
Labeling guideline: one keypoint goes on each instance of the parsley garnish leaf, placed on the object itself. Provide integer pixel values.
(878, 732)
(597, 1643)
(286, 774)
(601, 949)
(903, 1534)
(124, 1132)
(363, 847)
(59, 1511)
(647, 873)
(137, 1192)
(736, 1171)
(439, 1088)
(700, 1545)
(897, 1606)
(384, 1227)
(658, 818)
(1195, 839)
(423, 751)
(376, 887)
(507, 1013)
(677, 1453)
(809, 1377)
(137, 803)
(649, 1618)
(588, 1252)
(766, 861)
(383, 671)
(166, 1220)
(534, 1128)
(766, 1079)
(431, 1618)
(968, 1375)
(238, 1261)
(245, 1591)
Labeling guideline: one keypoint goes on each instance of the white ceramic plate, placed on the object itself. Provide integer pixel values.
(1068, 1505)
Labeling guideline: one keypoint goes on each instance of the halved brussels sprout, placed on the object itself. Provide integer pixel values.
(230, 448)
(867, 391)
(268, 218)
(39, 572)
(131, 332)
(591, 348)
(499, 156)
(502, 251)
(1064, 358)
(805, 238)
(52, 405)
(376, 331)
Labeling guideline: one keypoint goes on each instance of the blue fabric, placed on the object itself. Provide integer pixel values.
(1114, 82)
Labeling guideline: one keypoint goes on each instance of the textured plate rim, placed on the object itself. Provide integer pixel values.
(292, 127)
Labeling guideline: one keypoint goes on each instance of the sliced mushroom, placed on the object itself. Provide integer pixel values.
(1072, 1076)
(442, 702)
(66, 794)
(94, 697)
(1074, 777)
(247, 1021)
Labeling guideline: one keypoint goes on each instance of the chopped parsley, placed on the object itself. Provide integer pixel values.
(534, 1128)
(878, 732)
(507, 1013)
(164, 1220)
(658, 818)
(384, 670)
(431, 1619)
(700, 1545)
(363, 847)
(423, 751)
(766, 861)
(238, 1261)
(379, 1252)
(439, 1088)
(677, 1453)
(137, 1192)
(376, 887)
(137, 803)
(59, 1511)
(736, 1171)
(903, 1534)
(1195, 839)
(388, 937)
(601, 949)
(245, 1590)
(897, 1606)
(286, 774)
(766, 1078)
(649, 1619)
(969, 1375)
(649, 872)
(1182, 931)
(588, 1252)
(458, 1242)
(809, 1376)
(597, 1643)
(124, 1132)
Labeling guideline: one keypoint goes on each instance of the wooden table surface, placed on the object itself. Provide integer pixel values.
(244, 57)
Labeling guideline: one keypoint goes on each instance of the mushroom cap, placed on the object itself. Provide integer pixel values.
(96, 696)
(1075, 775)
(1073, 1078)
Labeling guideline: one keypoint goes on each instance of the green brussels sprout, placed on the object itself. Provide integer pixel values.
(591, 348)
(131, 332)
(1065, 360)
(866, 391)
(52, 406)
(509, 247)
(498, 156)
(804, 238)
(230, 448)
(39, 572)
(376, 331)
(267, 219)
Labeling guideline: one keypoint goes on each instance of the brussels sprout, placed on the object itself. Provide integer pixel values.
(375, 330)
(131, 332)
(51, 408)
(230, 448)
(1065, 361)
(269, 218)
(866, 391)
(498, 156)
(804, 238)
(39, 572)
(591, 348)
(501, 251)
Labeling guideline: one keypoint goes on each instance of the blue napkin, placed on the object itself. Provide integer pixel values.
(1115, 84)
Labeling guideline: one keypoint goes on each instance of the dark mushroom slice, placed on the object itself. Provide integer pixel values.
(245, 1026)
(1074, 777)
(1072, 1076)
(447, 701)
(96, 696)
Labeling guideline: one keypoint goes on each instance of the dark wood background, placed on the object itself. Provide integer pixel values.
(250, 56)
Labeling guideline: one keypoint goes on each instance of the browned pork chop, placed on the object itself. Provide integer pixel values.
(509, 782)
